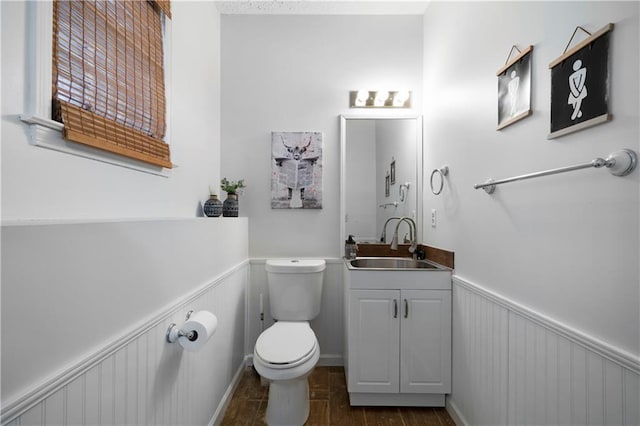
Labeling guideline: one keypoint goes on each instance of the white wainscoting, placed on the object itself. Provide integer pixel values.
(512, 366)
(142, 379)
(328, 325)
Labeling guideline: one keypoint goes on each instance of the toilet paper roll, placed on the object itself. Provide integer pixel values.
(198, 329)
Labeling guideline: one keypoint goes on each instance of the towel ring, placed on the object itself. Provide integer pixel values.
(442, 172)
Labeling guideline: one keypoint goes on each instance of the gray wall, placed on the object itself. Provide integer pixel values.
(88, 293)
(294, 73)
(45, 184)
(566, 245)
(546, 315)
(361, 181)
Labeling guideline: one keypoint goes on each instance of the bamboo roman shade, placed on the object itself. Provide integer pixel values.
(108, 76)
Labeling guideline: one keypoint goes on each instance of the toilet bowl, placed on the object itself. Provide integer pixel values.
(286, 353)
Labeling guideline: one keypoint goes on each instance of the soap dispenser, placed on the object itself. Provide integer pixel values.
(350, 248)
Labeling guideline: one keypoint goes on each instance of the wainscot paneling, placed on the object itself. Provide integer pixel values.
(514, 366)
(142, 379)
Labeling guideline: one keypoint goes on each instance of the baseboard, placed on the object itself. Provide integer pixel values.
(331, 360)
(218, 415)
(372, 399)
(454, 413)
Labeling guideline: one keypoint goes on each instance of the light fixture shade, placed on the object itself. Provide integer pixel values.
(362, 96)
(400, 98)
(380, 99)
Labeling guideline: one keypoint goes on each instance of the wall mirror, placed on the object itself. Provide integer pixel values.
(381, 176)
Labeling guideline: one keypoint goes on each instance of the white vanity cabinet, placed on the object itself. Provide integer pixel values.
(398, 337)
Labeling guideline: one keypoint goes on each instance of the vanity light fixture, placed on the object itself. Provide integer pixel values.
(379, 99)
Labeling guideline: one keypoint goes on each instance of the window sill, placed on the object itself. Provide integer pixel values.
(46, 133)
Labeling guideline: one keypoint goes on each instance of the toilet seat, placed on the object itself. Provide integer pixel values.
(286, 344)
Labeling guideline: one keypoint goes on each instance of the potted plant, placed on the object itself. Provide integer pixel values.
(231, 187)
(230, 205)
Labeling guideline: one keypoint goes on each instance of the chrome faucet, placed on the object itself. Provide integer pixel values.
(383, 237)
(412, 233)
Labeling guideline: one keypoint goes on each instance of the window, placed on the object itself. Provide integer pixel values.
(46, 133)
(108, 76)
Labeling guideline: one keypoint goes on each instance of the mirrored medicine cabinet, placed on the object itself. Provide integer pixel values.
(381, 176)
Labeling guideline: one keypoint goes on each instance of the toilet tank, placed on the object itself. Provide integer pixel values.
(295, 288)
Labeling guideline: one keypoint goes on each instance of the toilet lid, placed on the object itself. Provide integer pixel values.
(286, 342)
(295, 266)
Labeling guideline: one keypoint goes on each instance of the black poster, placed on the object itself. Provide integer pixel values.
(580, 88)
(514, 91)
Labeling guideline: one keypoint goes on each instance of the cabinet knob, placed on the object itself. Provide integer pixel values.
(406, 308)
(395, 308)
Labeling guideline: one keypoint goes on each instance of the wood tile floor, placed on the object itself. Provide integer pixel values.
(329, 405)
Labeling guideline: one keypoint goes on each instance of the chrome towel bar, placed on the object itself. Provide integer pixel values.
(619, 163)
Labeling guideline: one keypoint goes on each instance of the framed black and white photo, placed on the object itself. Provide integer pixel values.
(296, 170)
(580, 85)
(387, 185)
(393, 170)
(514, 88)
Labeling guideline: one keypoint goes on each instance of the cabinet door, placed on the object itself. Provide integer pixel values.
(425, 349)
(374, 338)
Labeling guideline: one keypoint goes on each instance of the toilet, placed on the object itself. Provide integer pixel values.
(286, 353)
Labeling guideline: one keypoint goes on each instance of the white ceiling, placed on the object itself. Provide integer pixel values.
(322, 7)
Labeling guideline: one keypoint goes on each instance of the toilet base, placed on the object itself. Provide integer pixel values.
(288, 403)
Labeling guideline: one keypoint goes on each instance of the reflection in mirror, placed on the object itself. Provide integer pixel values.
(381, 176)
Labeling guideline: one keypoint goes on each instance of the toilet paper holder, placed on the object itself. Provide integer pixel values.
(173, 332)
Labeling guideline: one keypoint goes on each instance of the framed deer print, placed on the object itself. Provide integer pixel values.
(296, 170)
